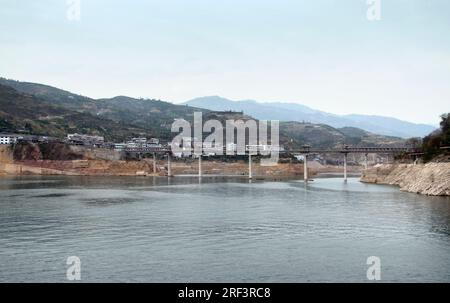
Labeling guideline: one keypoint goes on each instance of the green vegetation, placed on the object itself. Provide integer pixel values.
(433, 143)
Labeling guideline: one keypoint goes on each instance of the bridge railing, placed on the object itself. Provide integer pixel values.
(227, 151)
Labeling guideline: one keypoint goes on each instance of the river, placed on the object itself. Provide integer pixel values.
(219, 230)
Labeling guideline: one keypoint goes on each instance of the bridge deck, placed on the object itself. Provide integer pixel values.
(363, 150)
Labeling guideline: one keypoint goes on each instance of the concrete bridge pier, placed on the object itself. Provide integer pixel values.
(366, 156)
(154, 163)
(169, 165)
(250, 176)
(200, 166)
(305, 168)
(345, 167)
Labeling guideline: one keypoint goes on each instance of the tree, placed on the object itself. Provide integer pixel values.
(433, 142)
(445, 128)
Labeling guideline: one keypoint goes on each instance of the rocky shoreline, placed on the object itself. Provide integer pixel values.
(431, 179)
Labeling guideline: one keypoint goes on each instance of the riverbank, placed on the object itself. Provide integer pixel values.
(431, 179)
(31, 159)
(73, 160)
(145, 168)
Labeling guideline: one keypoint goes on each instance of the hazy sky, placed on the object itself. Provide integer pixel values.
(322, 53)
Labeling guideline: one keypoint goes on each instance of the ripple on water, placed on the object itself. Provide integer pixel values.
(107, 201)
(52, 195)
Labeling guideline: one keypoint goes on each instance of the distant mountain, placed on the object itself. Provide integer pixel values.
(40, 109)
(297, 112)
(388, 125)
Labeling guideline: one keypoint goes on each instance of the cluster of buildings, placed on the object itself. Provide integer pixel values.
(7, 138)
(81, 139)
(140, 142)
(208, 148)
(99, 141)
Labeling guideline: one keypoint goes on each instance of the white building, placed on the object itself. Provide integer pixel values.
(140, 140)
(153, 141)
(231, 147)
(212, 149)
(264, 148)
(131, 144)
(120, 146)
(300, 157)
(7, 139)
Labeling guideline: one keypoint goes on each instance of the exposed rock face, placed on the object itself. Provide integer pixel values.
(429, 179)
(78, 168)
(281, 170)
(44, 151)
(5, 154)
(61, 159)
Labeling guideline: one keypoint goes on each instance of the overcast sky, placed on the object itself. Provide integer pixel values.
(325, 54)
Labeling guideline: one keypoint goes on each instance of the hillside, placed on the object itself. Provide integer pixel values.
(46, 92)
(296, 112)
(32, 115)
(42, 109)
(133, 116)
(325, 136)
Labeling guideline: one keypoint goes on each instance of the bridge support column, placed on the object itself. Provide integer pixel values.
(366, 156)
(250, 176)
(169, 165)
(305, 168)
(345, 167)
(200, 166)
(154, 163)
(415, 159)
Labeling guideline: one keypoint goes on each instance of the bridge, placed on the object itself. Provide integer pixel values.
(144, 150)
(350, 149)
(345, 150)
(252, 150)
(304, 150)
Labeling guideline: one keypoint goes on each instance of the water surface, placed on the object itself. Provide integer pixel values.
(219, 230)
